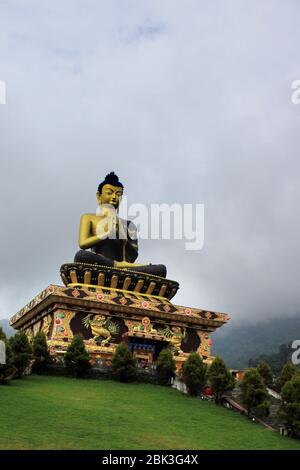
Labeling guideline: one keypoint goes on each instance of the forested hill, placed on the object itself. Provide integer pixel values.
(237, 344)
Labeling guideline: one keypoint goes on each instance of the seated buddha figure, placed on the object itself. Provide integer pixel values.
(112, 241)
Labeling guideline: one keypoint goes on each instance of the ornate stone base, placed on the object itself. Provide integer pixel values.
(83, 274)
(106, 317)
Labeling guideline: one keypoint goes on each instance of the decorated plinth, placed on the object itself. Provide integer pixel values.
(110, 305)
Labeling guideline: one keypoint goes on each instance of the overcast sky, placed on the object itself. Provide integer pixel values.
(188, 102)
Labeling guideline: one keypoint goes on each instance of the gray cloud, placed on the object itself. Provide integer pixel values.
(188, 102)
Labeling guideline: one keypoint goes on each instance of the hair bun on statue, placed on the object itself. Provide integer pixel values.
(110, 178)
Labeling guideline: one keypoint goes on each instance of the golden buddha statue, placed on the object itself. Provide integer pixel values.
(112, 240)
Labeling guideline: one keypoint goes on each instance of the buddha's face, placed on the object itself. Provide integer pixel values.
(110, 195)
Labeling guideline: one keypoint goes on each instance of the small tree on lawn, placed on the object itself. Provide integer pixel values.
(7, 370)
(123, 364)
(254, 393)
(220, 378)
(286, 374)
(194, 374)
(22, 352)
(77, 358)
(40, 353)
(290, 408)
(165, 367)
(265, 372)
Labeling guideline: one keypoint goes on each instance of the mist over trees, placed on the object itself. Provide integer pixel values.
(237, 345)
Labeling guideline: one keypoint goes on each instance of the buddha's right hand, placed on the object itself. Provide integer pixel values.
(107, 227)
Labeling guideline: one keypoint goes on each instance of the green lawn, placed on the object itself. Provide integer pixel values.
(60, 413)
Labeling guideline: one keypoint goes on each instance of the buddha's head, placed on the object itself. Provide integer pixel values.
(110, 191)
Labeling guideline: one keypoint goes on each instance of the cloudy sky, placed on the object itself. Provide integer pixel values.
(189, 102)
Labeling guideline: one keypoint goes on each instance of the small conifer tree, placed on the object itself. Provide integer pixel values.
(220, 379)
(40, 353)
(22, 352)
(254, 393)
(194, 374)
(77, 358)
(265, 372)
(290, 408)
(123, 364)
(165, 367)
(286, 374)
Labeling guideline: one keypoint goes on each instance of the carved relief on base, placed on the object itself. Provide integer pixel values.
(205, 345)
(103, 328)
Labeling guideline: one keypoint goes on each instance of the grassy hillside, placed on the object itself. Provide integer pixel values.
(236, 345)
(60, 413)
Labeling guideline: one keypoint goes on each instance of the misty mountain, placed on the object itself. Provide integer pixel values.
(8, 330)
(237, 344)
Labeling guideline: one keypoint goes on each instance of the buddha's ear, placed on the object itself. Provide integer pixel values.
(98, 196)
